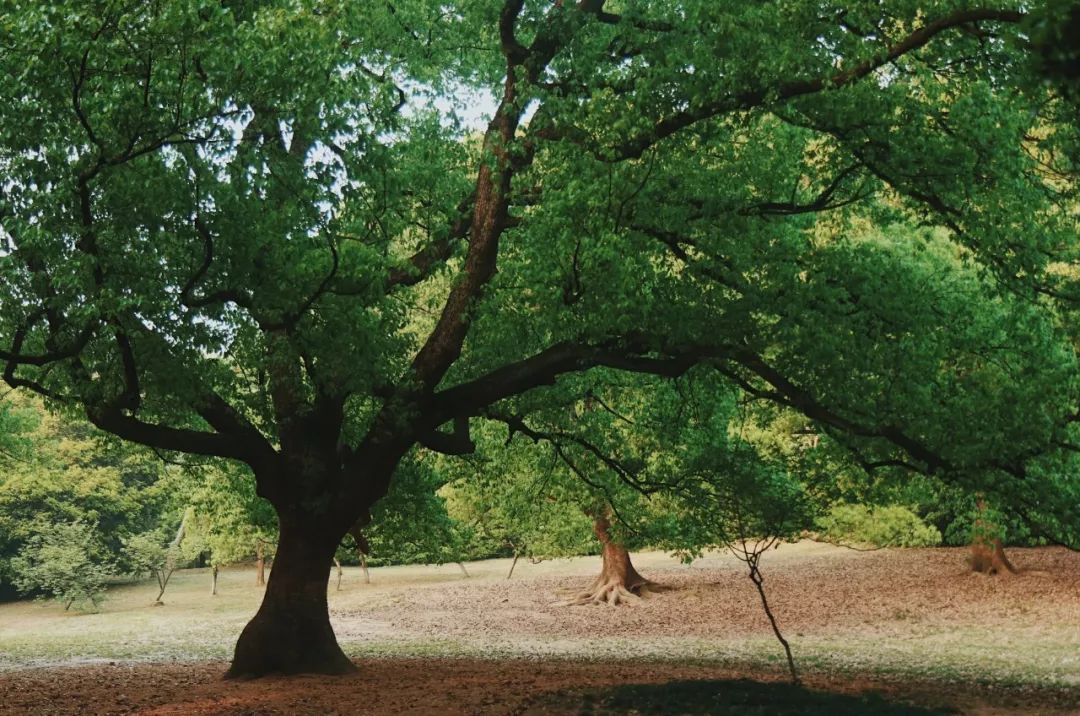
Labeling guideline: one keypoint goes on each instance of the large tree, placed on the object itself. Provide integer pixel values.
(244, 229)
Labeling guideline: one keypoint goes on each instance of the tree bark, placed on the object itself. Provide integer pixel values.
(291, 632)
(260, 565)
(987, 553)
(988, 557)
(618, 582)
(213, 584)
(337, 566)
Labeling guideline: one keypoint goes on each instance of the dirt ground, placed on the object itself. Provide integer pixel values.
(910, 624)
(812, 588)
(424, 686)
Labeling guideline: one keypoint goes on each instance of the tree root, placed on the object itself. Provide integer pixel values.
(612, 593)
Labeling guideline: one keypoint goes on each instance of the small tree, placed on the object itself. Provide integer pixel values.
(747, 505)
(146, 552)
(63, 562)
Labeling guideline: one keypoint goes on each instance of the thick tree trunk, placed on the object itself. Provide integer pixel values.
(989, 558)
(987, 554)
(291, 632)
(618, 581)
(363, 566)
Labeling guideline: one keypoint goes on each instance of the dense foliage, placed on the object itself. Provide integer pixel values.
(66, 563)
(65, 472)
(259, 230)
(892, 526)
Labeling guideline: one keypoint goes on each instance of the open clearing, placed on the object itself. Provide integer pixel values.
(911, 624)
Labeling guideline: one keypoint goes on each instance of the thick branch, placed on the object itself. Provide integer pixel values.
(545, 367)
(194, 442)
(788, 393)
(458, 442)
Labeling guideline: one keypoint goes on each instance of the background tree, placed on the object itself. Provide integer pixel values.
(229, 522)
(15, 421)
(62, 472)
(518, 500)
(224, 235)
(159, 554)
(65, 561)
(411, 524)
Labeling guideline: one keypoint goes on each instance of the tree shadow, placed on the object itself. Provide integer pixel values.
(742, 697)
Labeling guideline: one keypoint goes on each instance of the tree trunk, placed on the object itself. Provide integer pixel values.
(291, 632)
(512, 565)
(337, 565)
(989, 558)
(464, 572)
(260, 565)
(163, 583)
(213, 584)
(618, 581)
(362, 549)
(987, 554)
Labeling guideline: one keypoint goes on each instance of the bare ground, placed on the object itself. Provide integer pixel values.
(432, 686)
(912, 624)
(826, 590)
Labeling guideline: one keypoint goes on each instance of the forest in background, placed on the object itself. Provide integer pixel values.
(80, 510)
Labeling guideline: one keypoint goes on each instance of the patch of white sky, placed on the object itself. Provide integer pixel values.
(465, 107)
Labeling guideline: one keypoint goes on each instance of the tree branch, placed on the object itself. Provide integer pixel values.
(667, 126)
(545, 367)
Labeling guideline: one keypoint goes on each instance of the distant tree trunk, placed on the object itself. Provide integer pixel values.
(362, 549)
(260, 564)
(618, 581)
(990, 558)
(291, 632)
(512, 565)
(337, 565)
(213, 584)
(464, 571)
(987, 553)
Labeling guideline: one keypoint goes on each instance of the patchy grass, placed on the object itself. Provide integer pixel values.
(893, 617)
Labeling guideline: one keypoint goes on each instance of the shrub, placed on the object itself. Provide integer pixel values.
(62, 562)
(891, 526)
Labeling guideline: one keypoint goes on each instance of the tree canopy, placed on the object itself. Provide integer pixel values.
(253, 229)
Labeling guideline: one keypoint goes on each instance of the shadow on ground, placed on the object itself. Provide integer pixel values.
(716, 698)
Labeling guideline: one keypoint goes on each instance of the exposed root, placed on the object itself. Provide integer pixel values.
(612, 593)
